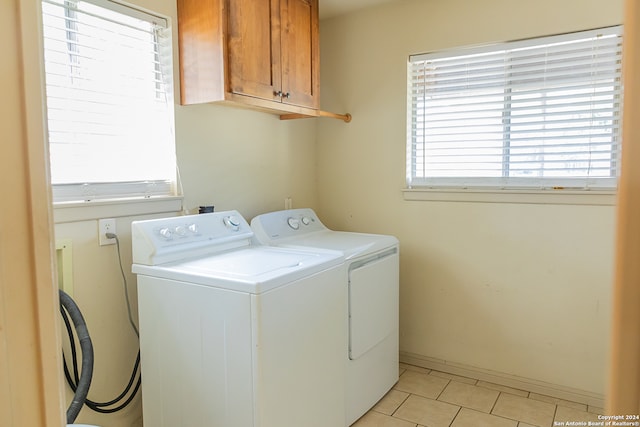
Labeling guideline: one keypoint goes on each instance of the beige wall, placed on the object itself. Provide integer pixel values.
(517, 290)
(245, 160)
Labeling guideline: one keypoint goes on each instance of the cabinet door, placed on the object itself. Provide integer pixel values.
(300, 52)
(254, 48)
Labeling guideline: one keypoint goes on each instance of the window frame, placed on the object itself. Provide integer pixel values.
(496, 190)
(125, 195)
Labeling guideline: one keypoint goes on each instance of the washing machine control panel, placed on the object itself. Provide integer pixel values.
(167, 239)
(287, 223)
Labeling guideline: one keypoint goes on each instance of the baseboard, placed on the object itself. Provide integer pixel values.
(527, 384)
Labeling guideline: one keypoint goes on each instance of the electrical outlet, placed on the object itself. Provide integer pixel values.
(106, 226)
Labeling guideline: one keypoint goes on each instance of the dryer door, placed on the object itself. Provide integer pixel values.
(373, 301)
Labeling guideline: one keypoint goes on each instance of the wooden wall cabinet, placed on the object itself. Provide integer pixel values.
(262, 54)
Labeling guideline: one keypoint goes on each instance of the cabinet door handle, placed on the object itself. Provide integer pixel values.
(287, 95)
(278, 93)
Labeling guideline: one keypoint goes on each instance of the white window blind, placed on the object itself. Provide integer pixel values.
(109, 101)
(539, 113)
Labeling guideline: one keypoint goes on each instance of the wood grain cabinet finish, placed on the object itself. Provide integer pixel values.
(258, 53)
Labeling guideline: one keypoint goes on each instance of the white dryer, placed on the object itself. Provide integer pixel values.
(234, 334)
(371, 277)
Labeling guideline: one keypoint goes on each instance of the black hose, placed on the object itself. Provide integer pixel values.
(100, 406)
(74, 381)
(72, 345)
(87, 356)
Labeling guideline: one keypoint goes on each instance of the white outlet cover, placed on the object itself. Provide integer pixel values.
(106, 226)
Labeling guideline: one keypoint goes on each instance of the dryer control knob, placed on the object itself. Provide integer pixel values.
(293, 223)
(180, 230)
(306, 220)
(165, 232)
(193, 228)
(232, 222)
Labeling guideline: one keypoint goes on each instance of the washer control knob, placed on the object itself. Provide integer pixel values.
(180, 230)
(193, 228)
(306, 220)
(232, 222)
(293, 223)
(165, 232)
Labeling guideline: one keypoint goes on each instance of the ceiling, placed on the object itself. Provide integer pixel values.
(330, 8)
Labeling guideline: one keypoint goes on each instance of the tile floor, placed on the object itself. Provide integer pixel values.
(425, 398)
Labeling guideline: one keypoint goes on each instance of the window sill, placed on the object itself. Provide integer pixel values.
(540, 197)
(83, 211)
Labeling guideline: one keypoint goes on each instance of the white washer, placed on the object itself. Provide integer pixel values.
(233, 334)
(372, 279)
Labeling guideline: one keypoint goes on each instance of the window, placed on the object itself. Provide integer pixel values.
(534, 114)
(109, 101)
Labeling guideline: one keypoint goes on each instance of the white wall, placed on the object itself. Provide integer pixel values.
(230, 158)
(517, 290)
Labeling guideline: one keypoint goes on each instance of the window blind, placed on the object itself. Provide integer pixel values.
(109, 100)
(538, 113)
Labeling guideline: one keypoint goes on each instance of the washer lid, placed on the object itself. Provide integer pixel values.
(255, 269)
